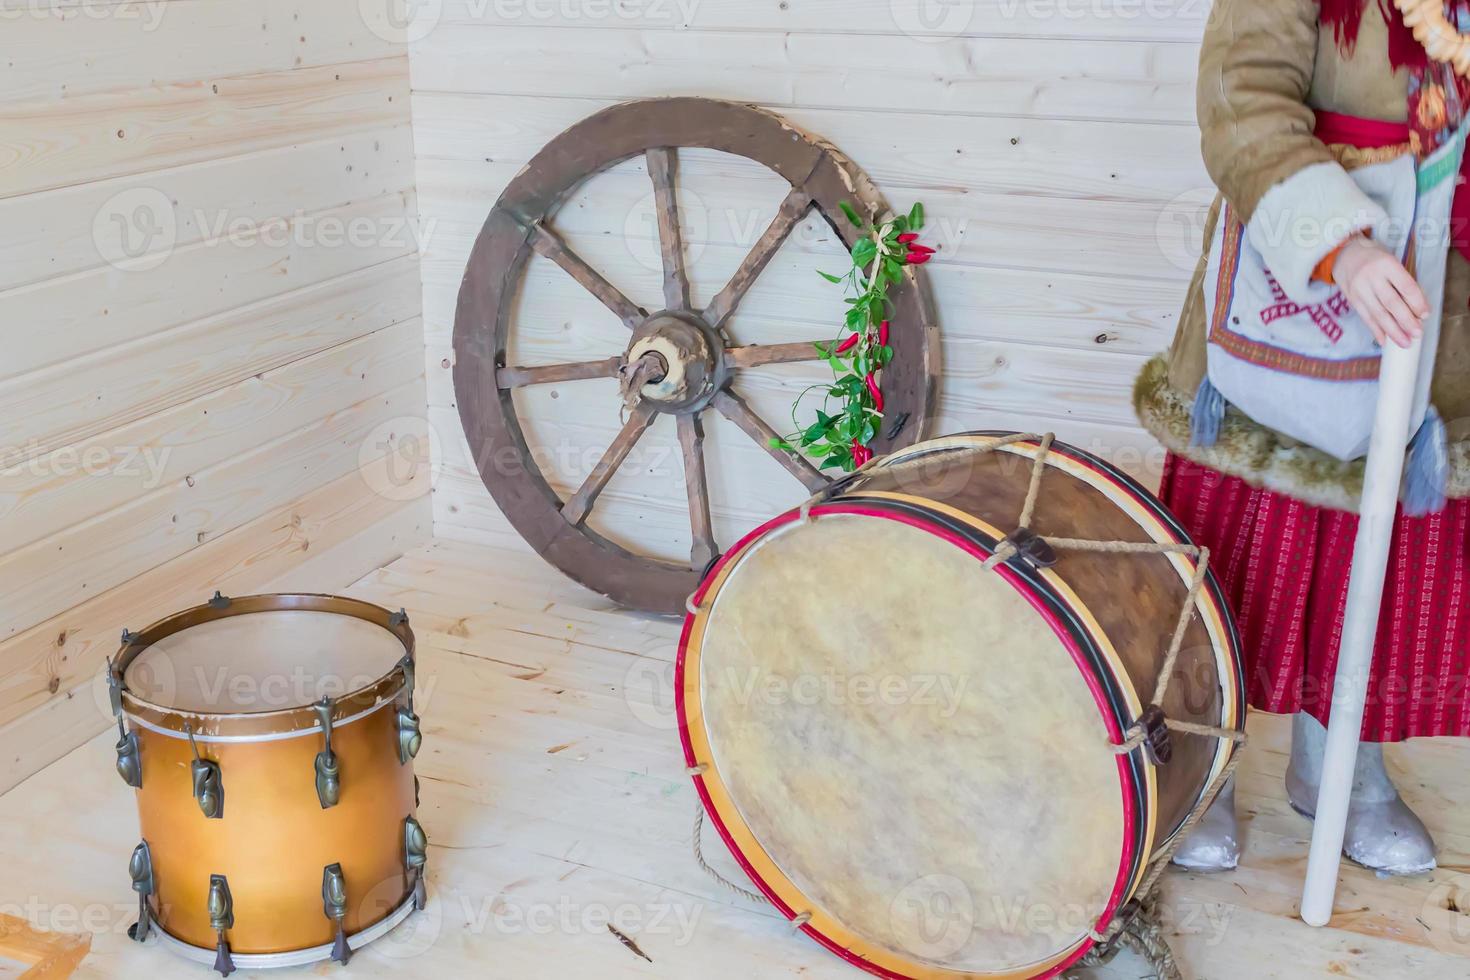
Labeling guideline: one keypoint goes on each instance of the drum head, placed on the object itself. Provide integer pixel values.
(262, 661)
(902, 744)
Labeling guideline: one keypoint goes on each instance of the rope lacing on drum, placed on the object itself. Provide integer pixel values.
(1136, 925)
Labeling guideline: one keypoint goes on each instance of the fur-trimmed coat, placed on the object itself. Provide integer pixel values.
(1265, 66)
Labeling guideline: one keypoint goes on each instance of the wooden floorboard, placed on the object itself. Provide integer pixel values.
(555, 801)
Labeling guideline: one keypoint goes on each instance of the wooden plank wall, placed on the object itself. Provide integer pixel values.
(1053, 143)
(211, 348)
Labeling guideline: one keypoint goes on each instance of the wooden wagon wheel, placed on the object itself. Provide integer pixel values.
(679, 360)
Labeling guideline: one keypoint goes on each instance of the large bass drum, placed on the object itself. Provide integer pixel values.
(921, 754)
(271, 741)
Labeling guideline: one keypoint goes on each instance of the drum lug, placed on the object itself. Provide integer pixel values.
(334, 906)
(415, 858)
(218, 601)
(409, 676)
(140, 869)
(410, 739)
(328, 769)
(400, 618)
(129, 759)
(209, 784)
(1157, 744)
(1031, 548)
(221, 917)
(114, 680)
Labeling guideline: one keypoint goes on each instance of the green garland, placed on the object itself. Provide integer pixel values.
(852, 404)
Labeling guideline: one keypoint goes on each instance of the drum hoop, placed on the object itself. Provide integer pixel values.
(1133, 861)
(273, 961)
(276, 723)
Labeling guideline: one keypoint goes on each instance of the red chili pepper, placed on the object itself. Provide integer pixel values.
(908, 236)
(860, 453)
(883, 334)
(917, 258)
(847, 344)
(875, 391)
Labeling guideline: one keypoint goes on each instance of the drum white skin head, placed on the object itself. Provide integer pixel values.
(930, 770)
(262, 661)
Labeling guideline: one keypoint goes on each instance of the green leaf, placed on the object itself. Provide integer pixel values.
(829, 277)
(777, 442)
(900, 225)
(864, 251)
(851, 214)
(916, 216)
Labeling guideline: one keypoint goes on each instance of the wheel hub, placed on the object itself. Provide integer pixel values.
(691, 355)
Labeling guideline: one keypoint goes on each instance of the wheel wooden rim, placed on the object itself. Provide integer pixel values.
(519, 225)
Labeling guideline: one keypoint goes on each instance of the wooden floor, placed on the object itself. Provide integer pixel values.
(555, 802)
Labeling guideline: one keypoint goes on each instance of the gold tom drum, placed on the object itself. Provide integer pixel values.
(918, 754)
(271, 740)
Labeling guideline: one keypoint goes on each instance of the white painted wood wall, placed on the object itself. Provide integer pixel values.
(1053, 142)
(211, 351)
(214, 298)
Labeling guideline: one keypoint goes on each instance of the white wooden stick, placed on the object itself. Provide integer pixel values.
(1382, 478)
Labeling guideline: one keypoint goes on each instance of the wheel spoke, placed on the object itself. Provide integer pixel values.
(520, 377)
(576, 508)
(757, 354)
(733, 407)
(691, 441)
(663, 168)
(548, 244)
(792, 210)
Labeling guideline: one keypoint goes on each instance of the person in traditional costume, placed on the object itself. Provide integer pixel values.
(1335, 141)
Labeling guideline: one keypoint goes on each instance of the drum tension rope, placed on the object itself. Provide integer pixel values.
(1135, 925)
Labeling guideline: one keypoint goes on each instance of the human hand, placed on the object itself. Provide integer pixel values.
(1381, 291)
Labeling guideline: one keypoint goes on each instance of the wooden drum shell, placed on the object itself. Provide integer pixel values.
(1115, 611)
(1134, 598)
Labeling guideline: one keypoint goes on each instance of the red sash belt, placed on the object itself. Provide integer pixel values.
(1373, 134)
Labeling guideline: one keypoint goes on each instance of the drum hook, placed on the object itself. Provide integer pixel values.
(328, 769)
(209, 785)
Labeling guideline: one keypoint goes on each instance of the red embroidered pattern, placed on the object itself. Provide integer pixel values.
(1324, 315)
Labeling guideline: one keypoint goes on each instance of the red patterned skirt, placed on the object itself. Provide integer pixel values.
(1284, 565)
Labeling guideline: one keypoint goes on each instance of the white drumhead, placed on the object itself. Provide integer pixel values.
(911, 744)
(264, 661)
